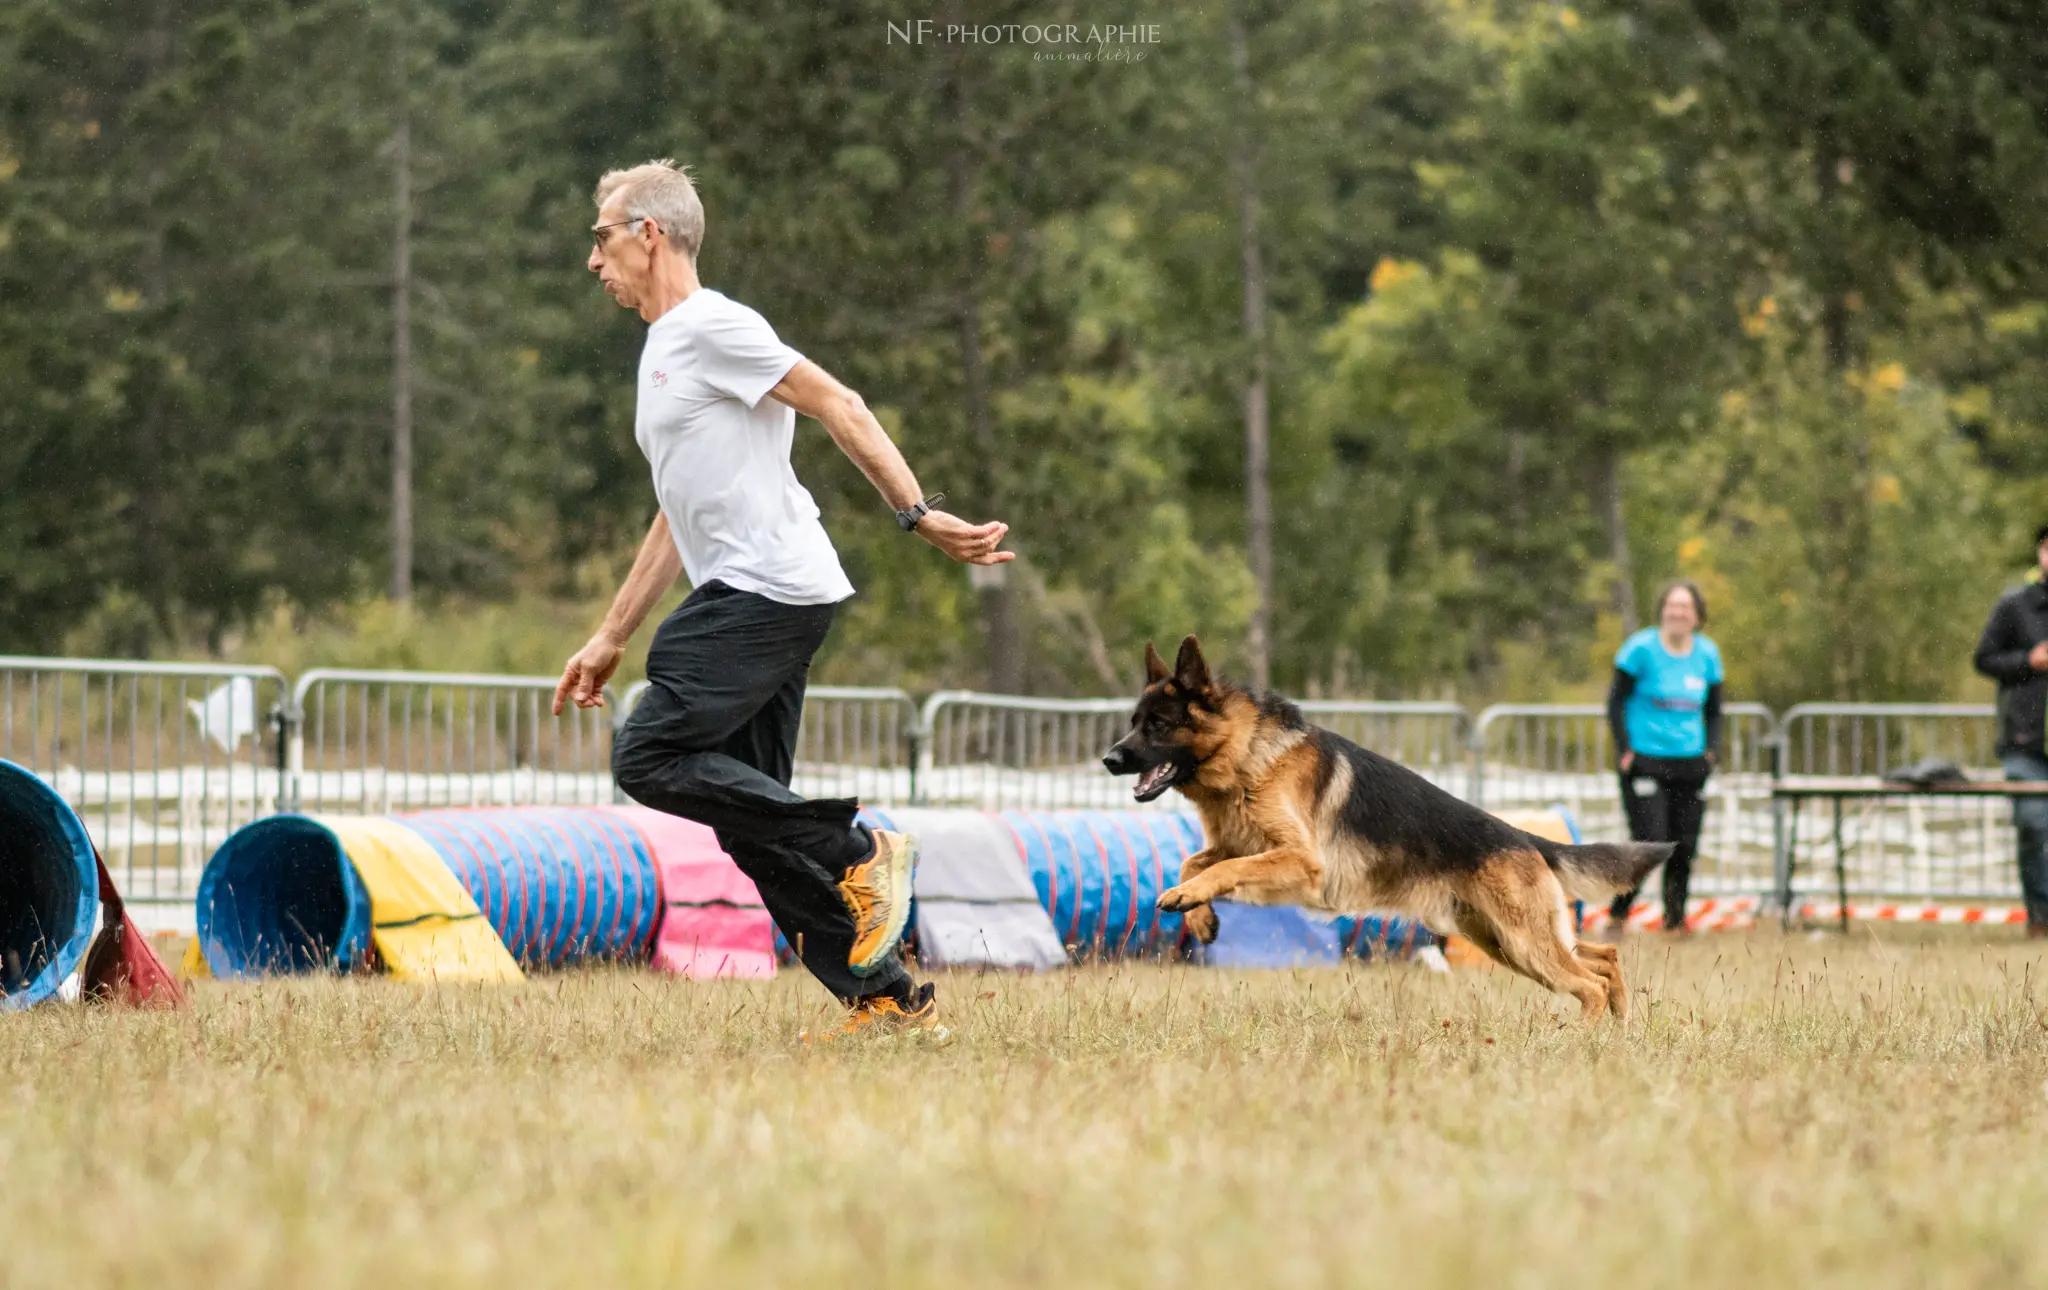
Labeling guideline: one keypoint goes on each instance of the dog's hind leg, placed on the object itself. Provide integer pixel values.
(1510, 910)
(1604, 961)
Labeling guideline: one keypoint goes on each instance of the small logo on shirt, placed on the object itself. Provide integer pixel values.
(661, 380)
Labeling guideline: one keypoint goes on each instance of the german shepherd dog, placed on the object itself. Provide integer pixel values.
(1293, 814)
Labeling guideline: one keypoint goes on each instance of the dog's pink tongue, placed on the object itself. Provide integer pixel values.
(1152, 778)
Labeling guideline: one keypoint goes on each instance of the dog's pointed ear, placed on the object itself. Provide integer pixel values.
(1155, 666)
(1191, 669)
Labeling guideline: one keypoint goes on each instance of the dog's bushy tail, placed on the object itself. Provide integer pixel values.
(1600, 871)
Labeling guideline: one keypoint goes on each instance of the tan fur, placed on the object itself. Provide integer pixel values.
(1270, 838)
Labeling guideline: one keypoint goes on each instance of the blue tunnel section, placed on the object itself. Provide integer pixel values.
(1379, 936)
(1099, 875)
(281, 896)
(561, 886)
(49, 889)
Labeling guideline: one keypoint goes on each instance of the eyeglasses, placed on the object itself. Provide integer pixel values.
(598, 233)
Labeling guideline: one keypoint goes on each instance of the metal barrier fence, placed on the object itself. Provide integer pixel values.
(1906, 847)
(1538, 755)
(999, 752)
(160, 760)
(855, 741)
(370, 742)
(1869, 739)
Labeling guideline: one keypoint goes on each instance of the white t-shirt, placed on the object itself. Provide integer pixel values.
(720, 452)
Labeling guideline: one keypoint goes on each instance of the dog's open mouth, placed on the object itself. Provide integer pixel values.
(1155, 780)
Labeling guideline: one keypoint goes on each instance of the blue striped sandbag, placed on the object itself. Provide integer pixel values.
(562, 885)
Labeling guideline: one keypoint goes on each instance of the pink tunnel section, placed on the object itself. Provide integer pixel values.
(712, 921)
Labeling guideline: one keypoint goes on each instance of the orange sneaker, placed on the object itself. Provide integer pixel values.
(883, 1016)
(877, 894)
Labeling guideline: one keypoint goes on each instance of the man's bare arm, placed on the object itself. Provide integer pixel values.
(654, 572)
(813, 391)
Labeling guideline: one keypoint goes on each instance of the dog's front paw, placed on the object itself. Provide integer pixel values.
(1174, 900)
(1201, 923)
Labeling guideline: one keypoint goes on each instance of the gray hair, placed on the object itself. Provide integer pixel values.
(660, 191)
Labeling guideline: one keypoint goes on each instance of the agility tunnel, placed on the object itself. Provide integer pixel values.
(54, 891)
(479, 894)
(298, 893)
(1098, 875)
(449, 895)
(49, 889)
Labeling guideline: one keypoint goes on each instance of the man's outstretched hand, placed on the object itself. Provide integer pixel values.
(967, 543)
(587, 670)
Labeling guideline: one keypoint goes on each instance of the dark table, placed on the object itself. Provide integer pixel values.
(1837, 791)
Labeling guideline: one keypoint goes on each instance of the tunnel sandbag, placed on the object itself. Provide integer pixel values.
(561, 885)
(49, 892)
(282, 896)
(711, 919)
(975, 905)
(1284, 936)
(122, 967)
(1551, 823)
(426, 925)
(1271, 936)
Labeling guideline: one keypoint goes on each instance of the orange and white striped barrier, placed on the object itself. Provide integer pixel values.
(1713, 914)
(1991, 915)
(1734, 913)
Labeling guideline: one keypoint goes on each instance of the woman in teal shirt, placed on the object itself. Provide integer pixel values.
(1665, 710)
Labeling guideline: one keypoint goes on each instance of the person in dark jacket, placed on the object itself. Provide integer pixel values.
(2014, 652)
(1664, 707)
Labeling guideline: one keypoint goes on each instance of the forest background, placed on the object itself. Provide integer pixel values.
(1400, 348)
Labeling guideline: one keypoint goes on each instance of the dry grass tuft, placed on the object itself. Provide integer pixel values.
(1780, 1112)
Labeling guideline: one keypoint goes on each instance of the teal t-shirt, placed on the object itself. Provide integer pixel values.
(1666, 714)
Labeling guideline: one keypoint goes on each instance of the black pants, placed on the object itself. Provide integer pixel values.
(1670, 810)
(713, 739)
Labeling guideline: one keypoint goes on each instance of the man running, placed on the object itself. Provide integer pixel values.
(713, 738)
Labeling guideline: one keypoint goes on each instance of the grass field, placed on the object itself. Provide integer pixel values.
(1780, 1112)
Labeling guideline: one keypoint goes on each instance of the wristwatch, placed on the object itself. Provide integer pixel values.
(907, 519)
